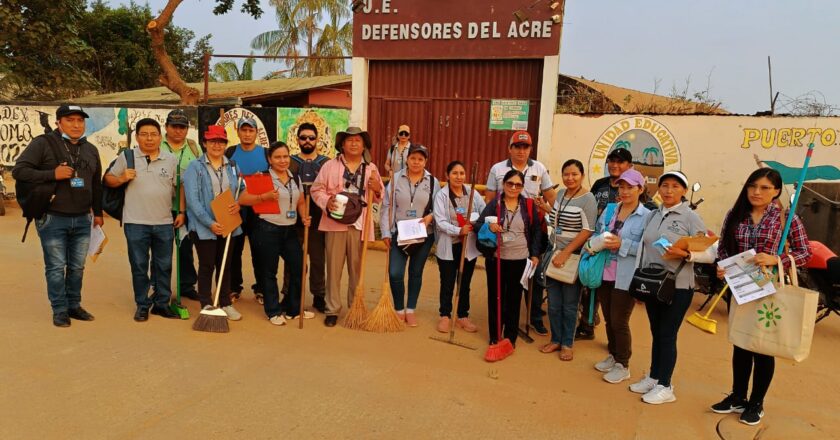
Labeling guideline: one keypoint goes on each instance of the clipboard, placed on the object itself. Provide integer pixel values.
(257, 184)
(219, 206)
(697, 243)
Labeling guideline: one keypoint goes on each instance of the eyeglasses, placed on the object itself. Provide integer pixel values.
(514, 185)
(148, 135)
(305, 138)
(762, 188)
(404, 133)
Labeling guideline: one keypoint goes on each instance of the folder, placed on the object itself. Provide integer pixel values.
(220, 209)
(257, 184)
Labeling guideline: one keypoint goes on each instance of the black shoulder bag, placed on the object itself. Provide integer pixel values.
(655, 282)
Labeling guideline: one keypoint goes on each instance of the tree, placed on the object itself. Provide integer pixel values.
(299, 34)
(42, 50)
(229, 71)
(169, 77)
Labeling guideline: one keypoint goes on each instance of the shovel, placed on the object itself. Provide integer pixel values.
(703, 322)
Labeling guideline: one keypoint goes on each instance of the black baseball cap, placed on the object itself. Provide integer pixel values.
(620, 154)
(417, 148)
(69, 109)
(177, 117)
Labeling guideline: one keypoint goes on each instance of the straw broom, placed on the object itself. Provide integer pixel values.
(383, 318)
(213, 319)
(357, 315)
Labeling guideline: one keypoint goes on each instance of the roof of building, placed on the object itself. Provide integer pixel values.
(223, 91)
(633, 101)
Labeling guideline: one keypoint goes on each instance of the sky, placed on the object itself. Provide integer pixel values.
(635, 44)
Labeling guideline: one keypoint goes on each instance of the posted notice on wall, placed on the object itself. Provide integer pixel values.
(509, 114)
(746, 280)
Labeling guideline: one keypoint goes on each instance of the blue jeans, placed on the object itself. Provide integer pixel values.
(65, 242)
(271, 242)
(665, 322)
(416, 263)
(156, 240)
(563, 301)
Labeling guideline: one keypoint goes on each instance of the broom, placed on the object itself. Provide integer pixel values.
(213, 319)
(503, 348)
(305, 254)
(357, 315)
(383, 318)
(703, 322)
(459, 274)
(176, 306)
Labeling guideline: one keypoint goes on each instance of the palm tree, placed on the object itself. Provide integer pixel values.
(300, 34)
(229, 71)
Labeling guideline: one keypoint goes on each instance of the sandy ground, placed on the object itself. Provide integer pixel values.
(115, 378)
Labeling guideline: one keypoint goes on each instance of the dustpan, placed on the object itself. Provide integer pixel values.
(703, 322)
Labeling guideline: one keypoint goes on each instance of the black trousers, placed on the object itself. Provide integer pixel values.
(746, 363)
(237, 244)
(511, 293)
(448, 271)
(210, 253)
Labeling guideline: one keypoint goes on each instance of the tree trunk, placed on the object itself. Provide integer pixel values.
(169, 76)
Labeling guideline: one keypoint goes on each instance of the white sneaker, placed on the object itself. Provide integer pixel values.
(644, 386)
(606, 365)
(617, 374)
(232, 313)
(659, 395)
(306, 315)
(277, 320)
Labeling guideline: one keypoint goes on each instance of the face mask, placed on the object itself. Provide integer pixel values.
(66, 137)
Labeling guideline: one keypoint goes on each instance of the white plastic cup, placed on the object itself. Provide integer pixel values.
(491, 219)
(340, 204)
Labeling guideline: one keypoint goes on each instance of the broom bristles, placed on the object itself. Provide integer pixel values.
(358, 313)
(383, 318)
(211, 323)
(497, 352)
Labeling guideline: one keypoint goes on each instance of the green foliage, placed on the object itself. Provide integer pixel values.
(229, 71)
(300, 33)
(42, 52)
(123, 59)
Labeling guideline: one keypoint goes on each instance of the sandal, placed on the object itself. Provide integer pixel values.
(551, 347)
(566, 353)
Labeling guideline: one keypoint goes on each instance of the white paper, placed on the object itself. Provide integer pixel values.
(182, 232)
(97, 241)
(530, 268)
(411, 231)
(741, 282)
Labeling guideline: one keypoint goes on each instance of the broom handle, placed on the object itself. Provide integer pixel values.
(224, 256)
(792, 209)
(390, 220)
(303, 275)
(499, 273)
(717, 298)
(459, 275)
(365, 230)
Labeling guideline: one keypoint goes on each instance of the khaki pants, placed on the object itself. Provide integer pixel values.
(342, 247)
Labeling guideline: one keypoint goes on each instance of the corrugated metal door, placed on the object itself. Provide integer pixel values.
(454, 123)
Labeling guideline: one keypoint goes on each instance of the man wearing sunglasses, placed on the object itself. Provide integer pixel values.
(307, 164)
(398, 153)
(538, 186)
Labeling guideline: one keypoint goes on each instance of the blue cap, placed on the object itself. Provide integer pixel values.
(246, 121)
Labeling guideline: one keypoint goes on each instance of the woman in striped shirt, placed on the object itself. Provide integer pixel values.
(572, 221)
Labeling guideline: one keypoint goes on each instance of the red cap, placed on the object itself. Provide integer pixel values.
(215, 132)
(521, 137)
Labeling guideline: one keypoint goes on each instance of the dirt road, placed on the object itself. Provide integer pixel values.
(115, 378)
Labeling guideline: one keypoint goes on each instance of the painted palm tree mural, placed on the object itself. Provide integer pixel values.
(650, 155)
(647, 155)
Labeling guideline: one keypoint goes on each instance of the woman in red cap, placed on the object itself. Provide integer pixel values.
(206, 178)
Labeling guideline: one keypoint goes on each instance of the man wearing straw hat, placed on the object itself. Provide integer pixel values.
(348, 173)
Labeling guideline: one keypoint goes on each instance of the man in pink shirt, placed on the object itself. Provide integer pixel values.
(349, 172)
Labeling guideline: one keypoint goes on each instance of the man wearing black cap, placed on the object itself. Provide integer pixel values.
(605, 190)
(65, 158)
(175, 141)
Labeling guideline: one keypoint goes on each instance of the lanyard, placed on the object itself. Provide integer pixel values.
(509, 219)
(220, 175)
(74, 159)
(413, 192)
(352, 179)
(288, 186)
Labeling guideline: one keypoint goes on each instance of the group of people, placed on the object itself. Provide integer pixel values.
(171, 182)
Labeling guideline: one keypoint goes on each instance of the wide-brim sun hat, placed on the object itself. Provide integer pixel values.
(352, 131)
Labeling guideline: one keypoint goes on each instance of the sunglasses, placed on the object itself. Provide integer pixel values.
(307, 138)
(514, 185)
(404, 133)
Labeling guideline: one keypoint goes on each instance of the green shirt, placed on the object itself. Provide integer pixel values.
(185, 156)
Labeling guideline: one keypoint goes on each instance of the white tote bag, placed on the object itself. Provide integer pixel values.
(780, 325)
(568, 273)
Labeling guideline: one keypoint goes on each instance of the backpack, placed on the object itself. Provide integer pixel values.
(34, 198)
(113, 199)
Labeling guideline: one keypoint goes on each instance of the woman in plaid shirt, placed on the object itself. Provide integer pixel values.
(756, 222)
